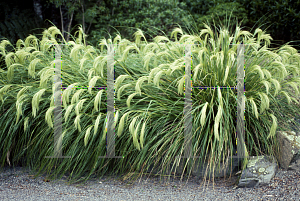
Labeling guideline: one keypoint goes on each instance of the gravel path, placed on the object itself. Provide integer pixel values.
(17, 184)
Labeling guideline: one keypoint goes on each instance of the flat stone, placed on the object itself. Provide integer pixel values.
(259, 171)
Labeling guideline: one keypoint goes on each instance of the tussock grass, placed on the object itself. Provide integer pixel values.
(149, 101)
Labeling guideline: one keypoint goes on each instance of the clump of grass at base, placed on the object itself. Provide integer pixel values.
(149, 90)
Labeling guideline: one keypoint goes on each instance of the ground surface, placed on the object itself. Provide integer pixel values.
(18, 185)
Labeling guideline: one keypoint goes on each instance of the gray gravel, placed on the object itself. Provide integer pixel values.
(18, 184)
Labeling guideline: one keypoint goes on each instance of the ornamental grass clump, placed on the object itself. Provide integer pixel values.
(149, 91)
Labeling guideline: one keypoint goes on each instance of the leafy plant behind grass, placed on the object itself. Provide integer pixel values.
(149, 100)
